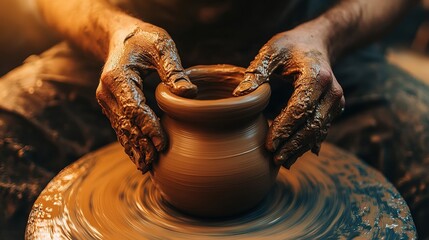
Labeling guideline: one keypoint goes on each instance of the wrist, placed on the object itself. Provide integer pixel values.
(120, 26)
(122, 29)
(317, 34)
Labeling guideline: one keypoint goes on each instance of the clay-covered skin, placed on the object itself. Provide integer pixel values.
(317, 98)
(120, 93)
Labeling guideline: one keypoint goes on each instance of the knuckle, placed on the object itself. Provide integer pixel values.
(337, 93)
(325, 77)
(161, 37)
(103, 100)
(107, 78)
(99, 93)
(278, 45)
(272, 47)
(159, 30)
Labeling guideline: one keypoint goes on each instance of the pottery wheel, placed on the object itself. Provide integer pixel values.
(103, 196)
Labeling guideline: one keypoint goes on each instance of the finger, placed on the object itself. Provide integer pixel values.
(123, 140)
(324, 132)
(155, 50)
(309, 87)
(171, 71)
(140, 150)
(315, 131)
(150, 154)
(295, 147)
(318, 144)
(150, 126)
(338, 109)
(126, 137)
(136, 125)
(269, 58)
(330, 107)
(131, 101)
(287, 163)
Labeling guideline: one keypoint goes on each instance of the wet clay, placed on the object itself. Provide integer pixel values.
(333, 196)
(216, 164)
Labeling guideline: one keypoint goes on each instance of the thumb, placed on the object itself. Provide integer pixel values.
(259, 70)
(172, 73)
(249, 84)
(183, 87)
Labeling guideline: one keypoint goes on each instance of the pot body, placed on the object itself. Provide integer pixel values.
(216, 164)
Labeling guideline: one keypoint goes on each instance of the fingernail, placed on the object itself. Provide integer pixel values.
(182, 83)
(185, 88)
(244, 87)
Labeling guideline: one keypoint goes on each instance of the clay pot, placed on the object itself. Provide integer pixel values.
(216, 164)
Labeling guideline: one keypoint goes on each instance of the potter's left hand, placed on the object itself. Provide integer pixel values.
(317, 98)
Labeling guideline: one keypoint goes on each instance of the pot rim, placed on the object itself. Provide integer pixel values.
(202, 110)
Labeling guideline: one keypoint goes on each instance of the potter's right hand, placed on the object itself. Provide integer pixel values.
(301, 59)
(131, 56)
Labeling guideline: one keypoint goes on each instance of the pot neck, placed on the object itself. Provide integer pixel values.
(215, 102)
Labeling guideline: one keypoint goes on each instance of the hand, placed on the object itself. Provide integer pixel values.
(131, 57)
(317, 98)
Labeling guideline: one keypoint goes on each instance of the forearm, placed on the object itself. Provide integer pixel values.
(89, 25)
(353, 22)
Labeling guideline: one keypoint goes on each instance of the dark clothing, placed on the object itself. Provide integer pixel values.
(48, 118)
(386, 124)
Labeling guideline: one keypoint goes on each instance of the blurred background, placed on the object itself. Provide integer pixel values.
(21, 33)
